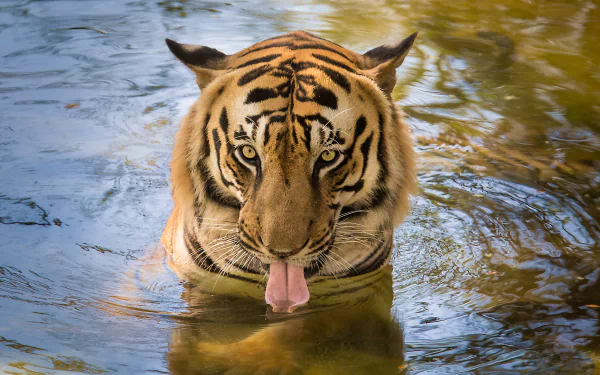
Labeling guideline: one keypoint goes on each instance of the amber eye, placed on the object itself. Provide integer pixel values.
(249, 152)
(328, 156)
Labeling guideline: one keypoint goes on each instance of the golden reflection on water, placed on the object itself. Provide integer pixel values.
(346, 329)
(347, 326)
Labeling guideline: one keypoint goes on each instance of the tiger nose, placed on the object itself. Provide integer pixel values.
(284, 252)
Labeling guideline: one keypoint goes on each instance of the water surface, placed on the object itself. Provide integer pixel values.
(496, 270)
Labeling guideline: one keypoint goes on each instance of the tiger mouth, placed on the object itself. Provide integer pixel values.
(312, 265)
(312, 262)
(287, 285)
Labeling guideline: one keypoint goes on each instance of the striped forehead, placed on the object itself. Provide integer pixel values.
(288, 92)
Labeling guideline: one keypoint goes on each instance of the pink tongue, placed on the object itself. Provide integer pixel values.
(286, 288)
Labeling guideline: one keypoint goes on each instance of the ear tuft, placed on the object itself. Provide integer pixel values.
(383, 61)
(197, 56)
(208, 63)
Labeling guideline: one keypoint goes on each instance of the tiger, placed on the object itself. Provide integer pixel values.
(293, 166)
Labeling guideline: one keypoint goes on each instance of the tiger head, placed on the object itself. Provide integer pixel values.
(289, 136)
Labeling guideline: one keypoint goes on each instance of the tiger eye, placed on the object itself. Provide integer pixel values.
(328, 155)
(249, 152)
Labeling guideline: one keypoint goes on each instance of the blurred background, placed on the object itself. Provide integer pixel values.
(496, 270)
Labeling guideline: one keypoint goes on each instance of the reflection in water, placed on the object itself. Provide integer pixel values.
(496, 270)
(347, 328)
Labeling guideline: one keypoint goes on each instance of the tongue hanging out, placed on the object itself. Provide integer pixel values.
(286, 288)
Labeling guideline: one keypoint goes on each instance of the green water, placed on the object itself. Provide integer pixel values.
(496, 270)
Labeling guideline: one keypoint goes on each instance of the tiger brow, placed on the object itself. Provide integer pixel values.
(246, 135)
(325, 129)
(337, 114)
(252, 121)
(251, 136)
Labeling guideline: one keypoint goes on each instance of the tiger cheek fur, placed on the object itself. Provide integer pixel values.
(294, 153)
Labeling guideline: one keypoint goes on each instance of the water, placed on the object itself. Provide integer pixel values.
(497, 268)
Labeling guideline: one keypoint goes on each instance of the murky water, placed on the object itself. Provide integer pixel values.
(497, 268)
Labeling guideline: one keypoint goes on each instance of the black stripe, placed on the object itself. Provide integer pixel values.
(334, 206)
(359, 128)
(266, 135)
(248, 246)
(206, 149)
(343, 179)
(305, 78)
(212, 190)
(325, 48)
(316, 117)
(379, 261)
(242, 267)
(280, 119)
(268, 46)
(294, 47)
(352, 188)
(232, 170)
(325, 97)
(245, 234)
(224, 122)
(294, 135)
(259, 60)
(307, 135)
(316, 266)
(254, 118)
(361, 125)
(381, 156)
(364, 149)
(333, 62)
(326, 245)
(217, 144)
(285, 36)
(241, 135)
(204, 261)
(290, 108)
(337, 78)
(366, 263)
(321, 239)
(371, 255)
(379, 196)
(260, 94)
(254, 74)
(199, 256)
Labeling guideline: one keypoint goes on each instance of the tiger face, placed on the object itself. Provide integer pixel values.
(295, 140)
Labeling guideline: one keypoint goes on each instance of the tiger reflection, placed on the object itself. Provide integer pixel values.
(347, 328)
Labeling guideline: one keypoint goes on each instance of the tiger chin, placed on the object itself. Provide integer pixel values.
(294, 165)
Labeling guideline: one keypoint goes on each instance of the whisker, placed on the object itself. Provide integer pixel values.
(219, 220)
(341, 258)
(336, 115)
(350, 213)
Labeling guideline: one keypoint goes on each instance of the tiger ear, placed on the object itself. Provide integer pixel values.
(208, 63)
(383, 61)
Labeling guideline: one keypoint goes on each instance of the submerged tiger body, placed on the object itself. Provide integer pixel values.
(293, 166)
